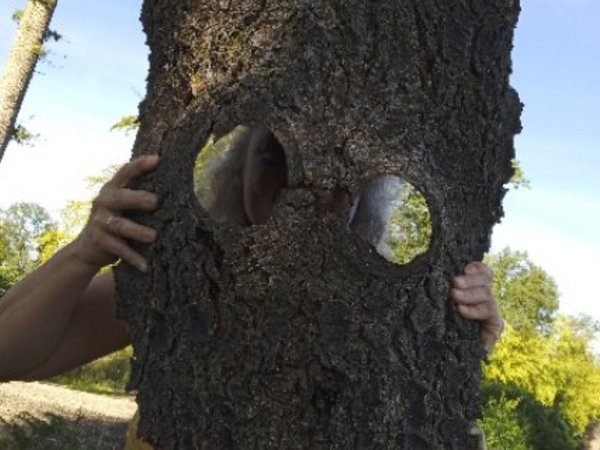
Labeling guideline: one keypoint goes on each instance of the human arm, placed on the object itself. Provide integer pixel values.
(472, 294)
(63, 315)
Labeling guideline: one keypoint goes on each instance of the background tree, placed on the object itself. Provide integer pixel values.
(541, 385)
(527, 295)
(21, 227)
(409, 232)
(18, 69)
(295, 334)
(8, 273)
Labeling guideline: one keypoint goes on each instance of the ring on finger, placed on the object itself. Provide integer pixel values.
(109, 220)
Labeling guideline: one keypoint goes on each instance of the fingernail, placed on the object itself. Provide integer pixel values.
(151, 201)
(143, 266)
(150, 235)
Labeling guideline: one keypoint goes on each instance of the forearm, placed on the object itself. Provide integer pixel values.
(35, 313)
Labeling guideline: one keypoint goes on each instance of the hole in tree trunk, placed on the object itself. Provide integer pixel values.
(392, 215)
(238, 177)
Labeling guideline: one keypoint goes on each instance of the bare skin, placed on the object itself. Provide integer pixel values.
(63, 314)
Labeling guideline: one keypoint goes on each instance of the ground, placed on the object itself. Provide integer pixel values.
(85, 421)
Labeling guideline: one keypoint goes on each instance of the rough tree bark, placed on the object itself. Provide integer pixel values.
(296, 334)
(21, 62)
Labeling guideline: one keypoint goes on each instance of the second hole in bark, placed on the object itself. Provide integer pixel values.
(393, 216)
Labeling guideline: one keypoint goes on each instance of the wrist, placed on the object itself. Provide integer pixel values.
(83, 258)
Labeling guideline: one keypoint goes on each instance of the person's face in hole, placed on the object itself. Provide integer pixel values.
(265, 174)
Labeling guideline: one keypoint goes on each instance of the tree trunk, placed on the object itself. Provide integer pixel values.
(20, 64)
(295, 334)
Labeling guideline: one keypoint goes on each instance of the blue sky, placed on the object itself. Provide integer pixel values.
(94, 76)
(97, 75)
(557, 73)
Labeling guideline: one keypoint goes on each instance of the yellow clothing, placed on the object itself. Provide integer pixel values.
(133, 441)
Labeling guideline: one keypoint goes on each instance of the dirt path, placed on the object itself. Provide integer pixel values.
(101, 420)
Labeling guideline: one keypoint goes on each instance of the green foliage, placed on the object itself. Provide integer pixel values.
(527, 295)
(501, 424)
(49, 34)
(48, 3)
(29, 237)
(410, 226)
(73, 218)
(518, 179)
(555, 372)
(577, 374)
(50, 432)
(52, 35)
(543, 380)
(40, 52)
(22, 224)
(514, 418)
(127, 124)
(8, 277)
(24, 136)
(209, 156)
(8, 272)
(523, 359)
(107, 375)
(17, 15)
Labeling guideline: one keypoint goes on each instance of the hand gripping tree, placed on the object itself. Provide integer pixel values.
(295, 334)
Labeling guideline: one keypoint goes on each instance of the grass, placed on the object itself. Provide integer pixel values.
(53, 432)
(107, 375)
(46, 433)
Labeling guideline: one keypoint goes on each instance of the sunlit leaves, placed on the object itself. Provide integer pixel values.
(545, 360)
(523, 359)
(528, 296)
(518, 179)
(558, 369)
(127, 124)
(501, 421)
(22, 224)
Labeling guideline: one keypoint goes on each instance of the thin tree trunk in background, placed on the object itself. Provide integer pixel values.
(21, 63)
(295, 334)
